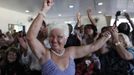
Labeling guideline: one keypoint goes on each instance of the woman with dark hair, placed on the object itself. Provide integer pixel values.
(12, 65)
(72, 39)
(93, 27)
(90, 33)
(125, 28)
(90, 36)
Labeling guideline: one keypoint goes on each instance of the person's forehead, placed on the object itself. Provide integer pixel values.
(121, 37)
(11, 52)
(88, 27)
(57, 31)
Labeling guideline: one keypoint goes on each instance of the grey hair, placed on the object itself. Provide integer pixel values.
(126, 39)
(63, 27)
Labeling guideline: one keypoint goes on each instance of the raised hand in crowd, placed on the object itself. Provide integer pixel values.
(89, 11)
(47, 4)
(78, 17)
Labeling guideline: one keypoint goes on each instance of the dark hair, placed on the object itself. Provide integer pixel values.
(92, 27)
(124, 28)
(44, 23)
(70, 28)
(23, 33)
(14, 50)
(103, 29)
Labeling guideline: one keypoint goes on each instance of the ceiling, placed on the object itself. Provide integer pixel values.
(109, 7)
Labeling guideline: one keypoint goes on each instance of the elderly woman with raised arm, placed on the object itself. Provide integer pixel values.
(58, 60)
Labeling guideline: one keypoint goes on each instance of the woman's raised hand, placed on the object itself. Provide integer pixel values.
(47, 4)
(114, 33)
(89, 11)
(78, 16)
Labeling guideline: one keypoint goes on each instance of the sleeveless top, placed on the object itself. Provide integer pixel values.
(50, 68)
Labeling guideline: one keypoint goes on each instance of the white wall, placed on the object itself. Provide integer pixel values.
(12, 17)
(122, 20)
(84, 19)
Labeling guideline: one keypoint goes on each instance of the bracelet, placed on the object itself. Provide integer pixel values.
(42, 13)
(117, 43)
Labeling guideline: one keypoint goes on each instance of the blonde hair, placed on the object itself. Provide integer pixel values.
(63, 27)
(127, 40)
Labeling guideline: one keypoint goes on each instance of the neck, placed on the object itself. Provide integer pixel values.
(58, 52)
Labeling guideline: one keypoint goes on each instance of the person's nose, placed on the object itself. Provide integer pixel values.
(54, 40)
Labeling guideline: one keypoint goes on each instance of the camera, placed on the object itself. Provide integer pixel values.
(119, 13)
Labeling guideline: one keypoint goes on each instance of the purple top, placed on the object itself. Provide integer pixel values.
(50, 68)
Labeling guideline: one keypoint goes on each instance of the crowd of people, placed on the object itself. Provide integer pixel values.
(58, 49)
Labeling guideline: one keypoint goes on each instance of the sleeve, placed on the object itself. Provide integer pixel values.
(131, 50)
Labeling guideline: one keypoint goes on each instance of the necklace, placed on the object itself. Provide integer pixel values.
(58, 54)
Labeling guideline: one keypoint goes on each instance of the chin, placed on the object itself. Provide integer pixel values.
(55, 48)
(10, 61)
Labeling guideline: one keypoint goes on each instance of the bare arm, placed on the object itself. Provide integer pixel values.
(115, 22)
(124, 54)
(121, 50)
(34, 43)
(90, 17)
(128, 18)
(78, 24)
(118, 13)
(36, 46)
(23, 42)
(81, 51)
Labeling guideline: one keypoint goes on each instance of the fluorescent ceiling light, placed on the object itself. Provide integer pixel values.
(27, 11)
(99, 12)
(124, 10)
(59, 15)
(71, 6)
(100, 3)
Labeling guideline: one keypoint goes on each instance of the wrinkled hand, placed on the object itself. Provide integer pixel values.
(114, 33)
(89, 11)
(106, 34)
(47, 4)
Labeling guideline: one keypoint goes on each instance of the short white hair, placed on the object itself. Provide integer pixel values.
(64, 28)
(126, 39)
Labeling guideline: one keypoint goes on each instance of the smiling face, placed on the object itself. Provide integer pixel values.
(57, 39)
(11, 57)
(88, 31)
